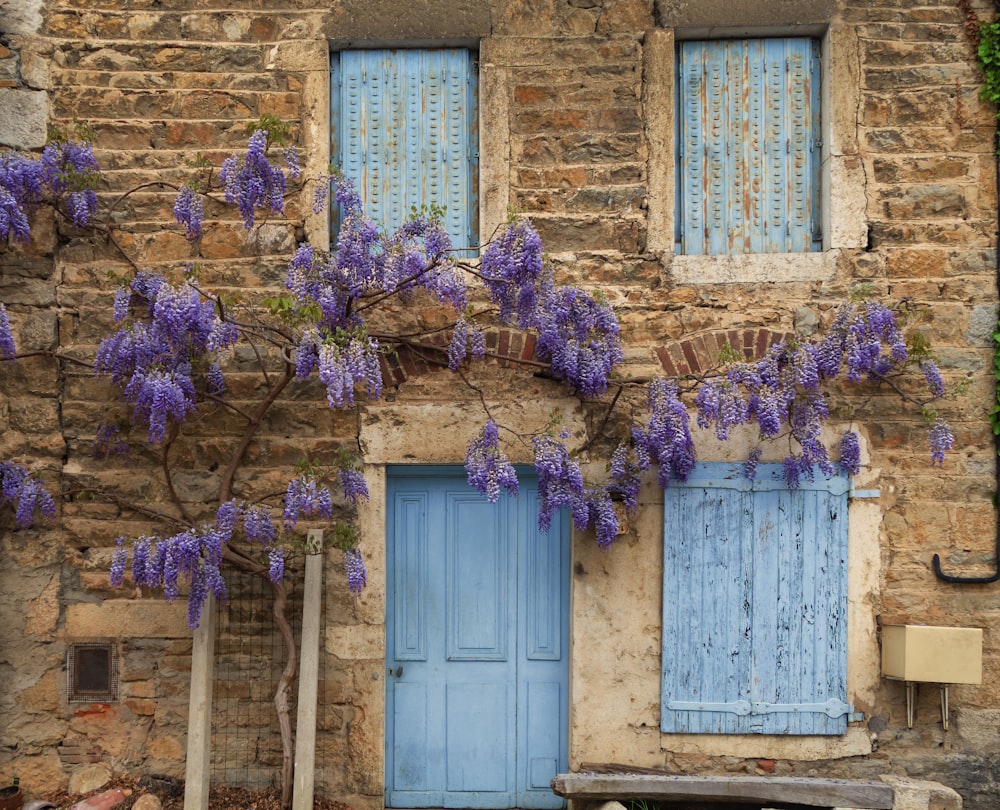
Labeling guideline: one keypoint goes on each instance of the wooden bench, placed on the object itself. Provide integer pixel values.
(718, 792)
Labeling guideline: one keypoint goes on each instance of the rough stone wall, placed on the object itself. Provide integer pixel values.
(575, 137)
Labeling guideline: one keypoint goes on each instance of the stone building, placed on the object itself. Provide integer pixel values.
(581, 118)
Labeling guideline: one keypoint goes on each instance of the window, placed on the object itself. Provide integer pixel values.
(404, 127)
(92, 673)
(755, 604)
(748, 146)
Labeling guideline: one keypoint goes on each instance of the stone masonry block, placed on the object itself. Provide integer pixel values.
(121, 618)
(23, 117)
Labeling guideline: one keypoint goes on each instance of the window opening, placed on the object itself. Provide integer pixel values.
(748, 146)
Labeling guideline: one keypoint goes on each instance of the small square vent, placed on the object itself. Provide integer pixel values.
(92, 673)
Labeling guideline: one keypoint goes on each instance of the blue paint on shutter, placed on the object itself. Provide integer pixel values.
(755, 604)
(748, 178)
(404, 127)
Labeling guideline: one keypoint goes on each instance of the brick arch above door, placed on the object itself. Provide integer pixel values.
(514, 348)
(507, 348)
(700, 353)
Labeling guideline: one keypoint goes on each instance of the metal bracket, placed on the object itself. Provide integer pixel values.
(832, 708)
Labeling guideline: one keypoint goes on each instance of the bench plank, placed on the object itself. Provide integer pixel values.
(807, 791)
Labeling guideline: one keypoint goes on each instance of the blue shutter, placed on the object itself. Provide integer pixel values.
(748, 126)
(404, 127)
(754, 604)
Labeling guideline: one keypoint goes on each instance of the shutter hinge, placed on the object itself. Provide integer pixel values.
(864, 493)
(832, 708)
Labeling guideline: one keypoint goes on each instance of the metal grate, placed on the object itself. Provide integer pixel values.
(92, 673)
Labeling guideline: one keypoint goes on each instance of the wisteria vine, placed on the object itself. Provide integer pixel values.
(168, 355)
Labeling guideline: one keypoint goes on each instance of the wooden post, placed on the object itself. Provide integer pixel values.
(305, 721)
(196, 773)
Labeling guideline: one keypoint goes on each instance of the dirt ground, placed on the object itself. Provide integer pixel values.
(171, 795)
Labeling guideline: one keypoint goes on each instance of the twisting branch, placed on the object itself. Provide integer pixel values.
(168, 476)
(107, 495)
(225, 490)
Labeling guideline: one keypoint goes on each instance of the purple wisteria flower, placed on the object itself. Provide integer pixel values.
(189, 211)
(215, 379)
(932, 374)
(666, 439)
(512, 268)
(252, 182)
(345, 364)
(25, 493)
(850, 453)
(8, 351)
(357, 576)
(276, 564)
(20, 194)
(487, 468)
(259, 526)
(320, 194)
(750, 465)
(624, 478)
(354, 486)
(150, 359)
(305, 496)
(467, 338)
(579, 336)
(560, 482)
(601, 514)
(941, 440)
(867, 337)
(110, 439)
(292, 162)
(118, 561)
(123, 299)
(65, 174)
(193, 556)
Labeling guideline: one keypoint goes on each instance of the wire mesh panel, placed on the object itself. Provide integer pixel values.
(249, 658)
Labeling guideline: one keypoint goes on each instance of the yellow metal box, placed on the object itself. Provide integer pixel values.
(917, 652)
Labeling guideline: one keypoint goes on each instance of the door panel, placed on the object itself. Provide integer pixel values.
(477, 634)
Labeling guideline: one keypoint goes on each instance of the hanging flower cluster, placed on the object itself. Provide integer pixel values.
(8, 351)
(25, 494)
(189, 211)
(153, 358)
(578, 334)
(65, 174)
(195, 555)
(512, 271)
(252, 182)
(357, 575)
(782, 393)
(487, 468)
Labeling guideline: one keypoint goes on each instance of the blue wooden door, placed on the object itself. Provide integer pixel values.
(477, 634)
